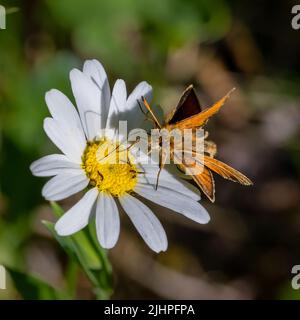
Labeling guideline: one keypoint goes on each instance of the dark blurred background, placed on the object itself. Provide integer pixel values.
(252, 242)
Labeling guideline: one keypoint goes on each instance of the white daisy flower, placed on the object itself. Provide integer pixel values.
(79, 135)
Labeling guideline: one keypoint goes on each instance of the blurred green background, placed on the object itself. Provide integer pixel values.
(253, 240)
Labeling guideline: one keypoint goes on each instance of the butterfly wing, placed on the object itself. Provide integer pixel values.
(206, 182)
(226, 171)
(187, 106)
(204, 179)
(198, 120)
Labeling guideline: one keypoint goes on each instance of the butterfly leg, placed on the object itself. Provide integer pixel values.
(162, 162)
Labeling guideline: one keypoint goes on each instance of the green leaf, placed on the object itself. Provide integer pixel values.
(58, 211)
(87, 252)
(65, 242)
(77, 246)
(32, 288)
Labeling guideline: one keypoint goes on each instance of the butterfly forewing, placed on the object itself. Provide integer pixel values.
(198, 120)
(187, 106)
(226, 171)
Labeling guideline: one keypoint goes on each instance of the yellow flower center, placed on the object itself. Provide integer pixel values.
(108, 167)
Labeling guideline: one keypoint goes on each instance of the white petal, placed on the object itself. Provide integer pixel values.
(174, 201)
(117, 106)
(107, 221)
(134, 114)
(95, 70)
(63, 139)
(63, 111)
(167, 180)
(65, 184)
(145, 222)
(78, 216)
(89, 102)
(52, 165)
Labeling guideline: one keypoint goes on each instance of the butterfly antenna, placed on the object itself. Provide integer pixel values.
(117, 147)
(152, 114)
(145, 113)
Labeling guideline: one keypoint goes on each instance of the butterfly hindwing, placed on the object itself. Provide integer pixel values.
(206, 182)
(204, 179)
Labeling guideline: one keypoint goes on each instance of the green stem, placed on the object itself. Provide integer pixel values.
(71, 278)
